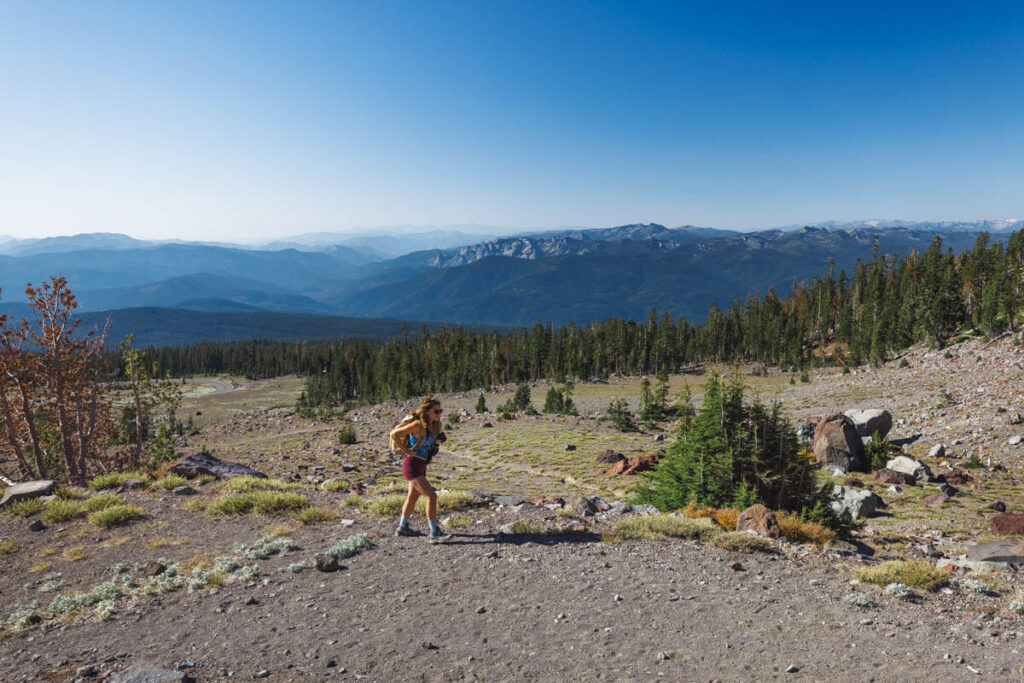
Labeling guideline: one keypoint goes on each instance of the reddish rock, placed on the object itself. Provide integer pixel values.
(935, 500)
(814, 419)
(887, 476)
(356, 490)
(836, 442)
(1007, 524)
(617, 468)
(633, 465)
(854, 481)
(958, 477)
(759, 519)
(610, 456)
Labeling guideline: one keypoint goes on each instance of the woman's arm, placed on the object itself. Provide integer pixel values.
(401, 436)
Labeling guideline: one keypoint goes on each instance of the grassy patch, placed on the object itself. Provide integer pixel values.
(117, 514)
(391, 505)
(741, 542)
(313, 514)
(161, 542)
(115, 541)
(61, 511)
(246, 484)
(196, 504)
(276, 530)
(73, 554)
(25, 508)
(725, 517)
(71, 493)
(8, 546)
(667, 526)
(335, 485)
(262, 502)
(40, 566)
(113, 479)
(206, 478)
(171, 481)
(913, 573)
(103, 501)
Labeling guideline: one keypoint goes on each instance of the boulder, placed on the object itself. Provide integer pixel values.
(587, 506)
(836, 442)
(326, 563)
(870, 422)
(937, 451)
(184, 491)
(36, 525)
(948, 490)
(998, 506)
(26, 490)
(1004, 550)
(760, 520)
(133, 484)
(958, 477)
(204, 463)
(887, 476)
(858, 503)
(1007, 524)
(610, 456)
(914, 468)
(934, 500)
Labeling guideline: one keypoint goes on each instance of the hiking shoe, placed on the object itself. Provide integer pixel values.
(406, 531)
(440, 538)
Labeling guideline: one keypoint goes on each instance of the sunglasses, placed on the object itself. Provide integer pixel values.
(436, 412)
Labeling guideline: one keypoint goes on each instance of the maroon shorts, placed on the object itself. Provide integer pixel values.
(414, 468)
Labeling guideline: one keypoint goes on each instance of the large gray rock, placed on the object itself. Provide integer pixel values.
(204, 463)
(144, 672)
(836, 442)
(914, 468)
(1004, 550)
(858, 503)
(871, 421)
(25, 490)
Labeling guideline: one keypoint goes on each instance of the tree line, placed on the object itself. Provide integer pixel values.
(884, 305)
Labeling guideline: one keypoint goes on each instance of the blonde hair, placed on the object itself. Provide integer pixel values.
(422, 415)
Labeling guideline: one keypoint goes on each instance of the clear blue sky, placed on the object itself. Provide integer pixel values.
(242, 120)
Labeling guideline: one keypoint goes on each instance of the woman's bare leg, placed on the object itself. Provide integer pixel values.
(410, 500)
(423, 488)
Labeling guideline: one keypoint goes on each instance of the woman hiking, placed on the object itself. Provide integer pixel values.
(416, 437)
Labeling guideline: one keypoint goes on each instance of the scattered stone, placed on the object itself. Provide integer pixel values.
(570, 447)
(895, 490)
(133, 484)
(153, 568)
(641, 463)
(998, 506)
(958, 477)
(610, 456)
(934, 500)
(87, 671)
(760, 520)
(481, 610)
(1007, 524)
(250, 601)
(1014, 440)
(887, 476)
(858, 503)
(1004, 550)
(1014, 419)
(262, 673)
(184, 491)
(736, 567)
(914, 468)
(203, 463)
(617, 598)
(348, 467)
(659, 438)
(546, 500)
(36, 525)
(937, 451)
(326, 563)
(427, 645)
(662, 656)
(792, 669)
(871, 422)
(836, 442)
(948, 490)
(840, 548)
(836, 470)
(147, 672)
(26, 490)
(486, 425)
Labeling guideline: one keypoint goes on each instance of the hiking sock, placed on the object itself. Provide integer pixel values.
(403, 523)
(435, 529)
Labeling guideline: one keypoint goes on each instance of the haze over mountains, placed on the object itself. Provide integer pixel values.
(560, 276)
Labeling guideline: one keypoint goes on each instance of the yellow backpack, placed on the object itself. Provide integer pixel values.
(397, 447)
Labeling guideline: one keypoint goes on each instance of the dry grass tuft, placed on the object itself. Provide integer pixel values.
(262, 502)
(59, 510)
(73, 554)
(72, 493)
(799, 531)
(103, 501)
(117, 514)
(8, 546)
(725, 517)
(25, 508)
(171, 481)
(741, 542)
(248, 484)
(391, 505)
(313, 514)
(161, 542)
(667, 526)
(913, 573)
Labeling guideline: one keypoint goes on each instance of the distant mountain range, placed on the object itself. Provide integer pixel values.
(567, 275)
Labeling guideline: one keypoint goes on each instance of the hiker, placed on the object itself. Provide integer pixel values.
(417, 438)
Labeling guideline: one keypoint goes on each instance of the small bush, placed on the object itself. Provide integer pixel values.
(64, 605)
(108, 481)
(61, 511)
(349, 547)
(247, 483)
(914, 573)
(347, 435)
(973, 463)
(726, 517)
(335, 485)
(262, 502)
(900, 591)
(877, 451)
(525, 529)
(861, 600)
(741, 542)
(102, 502)
(114, 515)
(1017, 607)
(171, 481)
(71, 493)
(313, 514)
(799, 531)
(667, 526)
(8, 546)
(206, 478)
(25, 508)
(266, 547)
(481, 405)
(73, 554)
(618, 413)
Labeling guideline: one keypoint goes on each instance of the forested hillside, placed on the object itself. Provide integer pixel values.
(881, 307)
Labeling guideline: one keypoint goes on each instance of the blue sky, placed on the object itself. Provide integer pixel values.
(249, 120)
